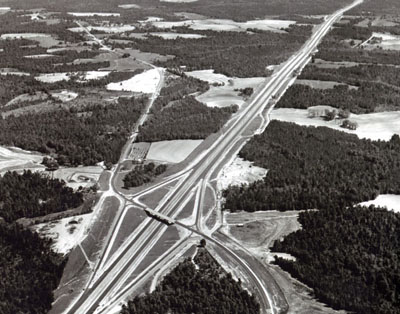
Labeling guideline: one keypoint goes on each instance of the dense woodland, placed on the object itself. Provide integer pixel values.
(369, 97)
(176, 114)
(231, 53)
(142, 174)
(29, 271)
(349, 255)
(310, 167)
(32, 194)
(78, 136)
(206, 288)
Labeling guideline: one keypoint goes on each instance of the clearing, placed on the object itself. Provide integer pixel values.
(383, 41)
(66, 76)
(80, 14)
(225, 91)
(374, 126)
(177, 35)
(172, 151)
(227, 25)
(239, 172)
(390, 201)
(64, 95)
(322, 84)
(45, 40)
(66, 233)
(12, 158)
(129, 6)
(78, 176)
(145, 82)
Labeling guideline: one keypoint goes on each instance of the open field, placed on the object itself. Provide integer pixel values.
(322, 84)
(225, 90)
(390, 201)
(145, 82)
(79, 14)
(66, 76)
(106, 29)
(66, 233)
(177, 35)
(383, 41)
(172, 151)
(64, 95)
(239, 172)
(374, 126)
(79, 176)
(14, 158)
(44, 40)
(227, 25)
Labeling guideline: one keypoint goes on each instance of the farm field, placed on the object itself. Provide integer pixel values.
(172, 151)
(145, 82)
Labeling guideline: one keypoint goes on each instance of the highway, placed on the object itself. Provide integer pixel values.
(110, 274)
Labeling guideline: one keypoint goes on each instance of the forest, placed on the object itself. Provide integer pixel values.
(231, 53)
(349, 256)
(142, 174)
(197, 286)
(186, 119)
(32, 194)
(369, 97)
(176, 114)
(78, 136)
(310, 167)
(29, 271)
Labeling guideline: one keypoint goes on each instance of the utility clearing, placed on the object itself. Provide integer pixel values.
(390, 201)
(172, 151)
(145, 82)
(373, 126)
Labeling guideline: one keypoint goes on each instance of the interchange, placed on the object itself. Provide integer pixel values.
(110, 275)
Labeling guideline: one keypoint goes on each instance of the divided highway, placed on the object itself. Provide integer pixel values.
(105, 285)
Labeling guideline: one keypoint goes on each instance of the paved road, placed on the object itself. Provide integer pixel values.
(110, 277)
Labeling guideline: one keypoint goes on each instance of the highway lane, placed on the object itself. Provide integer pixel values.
(220, 148)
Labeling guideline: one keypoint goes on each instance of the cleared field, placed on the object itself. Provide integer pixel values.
(225, 90)
(80, 14)
(106, 29)
(66, 76)
(383, 41)
(177, 35)
(172, 151)
(374, 126)
(15, 159)
(139, 151)
(179, 1)
(239, 172)
(390, 201)
(333, 65)
(227, 25)
(145, 82)
(129, 6)
(64, 95)
(79, 176)
(66, 233)
(45, 40)
(323, 84)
